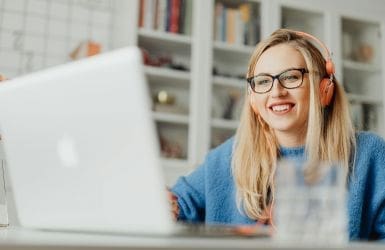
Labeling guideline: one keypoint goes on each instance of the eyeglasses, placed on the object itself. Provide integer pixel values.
(289, 79)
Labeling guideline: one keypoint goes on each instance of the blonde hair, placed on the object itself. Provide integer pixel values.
(329, 136)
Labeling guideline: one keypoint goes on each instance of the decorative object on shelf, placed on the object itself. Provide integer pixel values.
(165, 101)
(170, 149)
(233, 98)
(85, 49)
(347, 46)
(364, 53)
(155, 60)
(164, 97)
(161, 60)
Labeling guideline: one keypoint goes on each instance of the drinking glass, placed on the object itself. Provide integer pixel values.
(3, 196)
(310, 203)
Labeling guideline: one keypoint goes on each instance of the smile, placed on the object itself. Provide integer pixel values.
(281, 108)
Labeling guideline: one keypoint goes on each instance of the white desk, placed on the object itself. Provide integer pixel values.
(13, 238)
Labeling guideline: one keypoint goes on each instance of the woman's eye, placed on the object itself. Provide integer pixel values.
(289, 78)
(263, 82)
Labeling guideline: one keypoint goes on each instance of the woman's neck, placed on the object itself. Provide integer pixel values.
(290, 140)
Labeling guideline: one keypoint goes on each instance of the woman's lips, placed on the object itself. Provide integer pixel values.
(281, 108)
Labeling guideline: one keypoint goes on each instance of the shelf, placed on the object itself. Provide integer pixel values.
(164, 36)
(217, 45)
(170, 118)
(305, 20)
(175, 163)
(229, 81)
(364, 99)
(158, 42)
(167, 74)
(224, 124)
(352, 65)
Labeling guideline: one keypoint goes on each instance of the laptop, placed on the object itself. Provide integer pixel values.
(81, 148)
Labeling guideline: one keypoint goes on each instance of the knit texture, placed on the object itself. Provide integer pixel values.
(208, 194)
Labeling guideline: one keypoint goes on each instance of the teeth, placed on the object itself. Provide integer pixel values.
(281, 107)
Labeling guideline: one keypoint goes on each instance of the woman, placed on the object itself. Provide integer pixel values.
(287, 114)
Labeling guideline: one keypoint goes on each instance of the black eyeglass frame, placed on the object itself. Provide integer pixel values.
(252, 85)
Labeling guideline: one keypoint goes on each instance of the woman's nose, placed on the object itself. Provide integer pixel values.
(278, 90)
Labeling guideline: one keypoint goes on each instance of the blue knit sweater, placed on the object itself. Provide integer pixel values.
(208, 194)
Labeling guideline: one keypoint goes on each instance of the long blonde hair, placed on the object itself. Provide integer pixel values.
(329, 136)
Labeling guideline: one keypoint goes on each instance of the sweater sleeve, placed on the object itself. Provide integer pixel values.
(378, 190)
(190, 193)
(379, 226)
(367, 209)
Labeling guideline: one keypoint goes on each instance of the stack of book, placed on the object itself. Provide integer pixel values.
(166, 15)
(237, 24)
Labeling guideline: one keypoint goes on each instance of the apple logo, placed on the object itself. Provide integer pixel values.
(67, 152)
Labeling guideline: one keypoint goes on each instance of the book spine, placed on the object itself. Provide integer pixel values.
(141, 13)
(218, 21)
(182, 14)
(156, 13)
(224, 25)
(162, 15)
(175, 13)
(188, 17)
(149, 14)
(230, 29)
(168, 15)
(238, 27)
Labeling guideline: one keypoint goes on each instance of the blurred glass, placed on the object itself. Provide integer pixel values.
(3, 196)
(310, 203)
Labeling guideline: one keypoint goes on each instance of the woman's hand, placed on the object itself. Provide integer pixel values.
(174, 204)
(2, 78)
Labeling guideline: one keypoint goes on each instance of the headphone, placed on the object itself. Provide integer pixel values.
(326, 85)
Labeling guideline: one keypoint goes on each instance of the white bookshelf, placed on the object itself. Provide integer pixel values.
(362, 75)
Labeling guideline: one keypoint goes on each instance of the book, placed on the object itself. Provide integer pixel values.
(188, 17)
(141, 13)
(218, 21)
(149, 6)
(230, 25)
(175, 13)
(161, 15)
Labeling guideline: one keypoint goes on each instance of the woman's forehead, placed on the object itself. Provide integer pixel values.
(278, 58)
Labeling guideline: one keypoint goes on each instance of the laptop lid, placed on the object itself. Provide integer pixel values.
(81, 147)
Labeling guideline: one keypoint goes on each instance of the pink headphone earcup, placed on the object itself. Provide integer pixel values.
(326, 91)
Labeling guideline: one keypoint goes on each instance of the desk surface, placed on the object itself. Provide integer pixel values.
(17, 238)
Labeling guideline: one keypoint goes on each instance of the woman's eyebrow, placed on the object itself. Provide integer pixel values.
(269, 74)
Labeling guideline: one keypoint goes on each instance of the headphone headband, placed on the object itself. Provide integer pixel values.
(329, 63)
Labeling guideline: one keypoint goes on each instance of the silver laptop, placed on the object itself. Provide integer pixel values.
(81, 147)
(82, 152)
